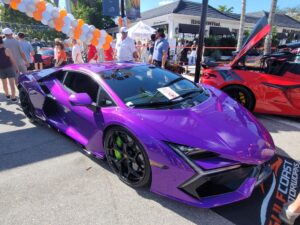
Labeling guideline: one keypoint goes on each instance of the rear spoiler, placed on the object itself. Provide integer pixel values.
(290, 45)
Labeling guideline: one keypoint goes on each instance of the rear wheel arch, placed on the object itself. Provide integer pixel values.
(243, 87)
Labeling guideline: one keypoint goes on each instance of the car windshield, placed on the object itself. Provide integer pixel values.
(48, 52)
(150, 87)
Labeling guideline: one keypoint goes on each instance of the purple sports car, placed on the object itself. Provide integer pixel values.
(189, 142)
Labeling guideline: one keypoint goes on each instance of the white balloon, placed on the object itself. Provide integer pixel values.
(46, 15)
(22, 7)
(30, 7)
(45, 22)
(30, 14)
(65, 29)
(49, 7)
(74, 23)
(83, 37)
(71, 16)
(92, 28)
(51, 23)
(71, 33)
(55, 13)
(85, 28)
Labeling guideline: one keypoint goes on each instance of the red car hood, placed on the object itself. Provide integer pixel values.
(261, 29)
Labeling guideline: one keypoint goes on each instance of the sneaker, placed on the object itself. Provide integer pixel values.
(287, 216)
(14, 99)
(7, 96)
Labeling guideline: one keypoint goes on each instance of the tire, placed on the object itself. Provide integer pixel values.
(26, 105)
(242, 95)
(127, 157)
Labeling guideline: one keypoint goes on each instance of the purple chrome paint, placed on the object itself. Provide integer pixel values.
(219, 125)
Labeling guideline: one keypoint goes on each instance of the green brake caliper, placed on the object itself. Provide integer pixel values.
(118, 153)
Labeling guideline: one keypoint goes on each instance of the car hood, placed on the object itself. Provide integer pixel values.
(218, 125)
(261, 29)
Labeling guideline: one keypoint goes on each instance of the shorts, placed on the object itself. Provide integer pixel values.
(38, 58)
(7, 73)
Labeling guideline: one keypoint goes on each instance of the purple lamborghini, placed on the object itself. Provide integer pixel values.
(189, 142)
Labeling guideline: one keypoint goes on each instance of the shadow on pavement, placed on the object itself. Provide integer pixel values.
(11, 118)
(22, 147)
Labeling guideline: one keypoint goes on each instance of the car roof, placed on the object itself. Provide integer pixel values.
(101, 67)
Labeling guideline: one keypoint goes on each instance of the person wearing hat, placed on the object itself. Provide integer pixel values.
(161, 48)
(11, 43)
(8, 70)
(125, 48)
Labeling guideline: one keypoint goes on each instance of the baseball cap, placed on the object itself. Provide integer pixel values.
(123, 30)
(7, 31)
(160, 30)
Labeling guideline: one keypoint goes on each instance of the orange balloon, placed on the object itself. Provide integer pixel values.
(106, 46)
(80, 22)
(109, 38)
(63, 12)
(41, 6)
(58, 23)
(97, 33)
(94, 42)
(14, 4)
(77, 32)
(37, 15)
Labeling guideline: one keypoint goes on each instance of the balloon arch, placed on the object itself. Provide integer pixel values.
(62, 21)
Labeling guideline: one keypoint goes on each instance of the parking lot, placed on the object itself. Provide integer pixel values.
(45, 178)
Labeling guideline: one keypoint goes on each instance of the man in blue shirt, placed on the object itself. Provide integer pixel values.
(161, 48)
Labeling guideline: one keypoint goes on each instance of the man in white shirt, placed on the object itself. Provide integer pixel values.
(76, 53)
(125, 48)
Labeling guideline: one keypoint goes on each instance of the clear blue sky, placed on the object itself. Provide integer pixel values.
(252, 5)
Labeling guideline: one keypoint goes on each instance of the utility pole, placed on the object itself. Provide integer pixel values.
(123, 9)
(201, 40)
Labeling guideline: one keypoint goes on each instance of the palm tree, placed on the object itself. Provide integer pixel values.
(242, 24)
(268, 41)
(225, 9)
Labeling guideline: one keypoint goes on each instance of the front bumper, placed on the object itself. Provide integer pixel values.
(220, 188)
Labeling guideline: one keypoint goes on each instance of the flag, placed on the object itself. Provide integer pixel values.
(111, 8)
(133, 9)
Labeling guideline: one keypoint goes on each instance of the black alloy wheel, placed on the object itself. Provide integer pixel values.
(26, 104)
(242, 95)
(127, 158)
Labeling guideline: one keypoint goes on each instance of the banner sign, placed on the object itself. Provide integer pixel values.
(133, 10)
(266, 202)
(111, 8)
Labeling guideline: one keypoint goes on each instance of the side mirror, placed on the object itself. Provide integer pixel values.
(80, 99)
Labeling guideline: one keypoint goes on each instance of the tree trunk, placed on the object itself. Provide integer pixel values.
(268, 41)
(242, 25)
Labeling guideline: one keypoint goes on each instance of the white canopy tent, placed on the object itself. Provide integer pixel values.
(140, 31)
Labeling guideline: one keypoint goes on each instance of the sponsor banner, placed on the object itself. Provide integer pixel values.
(111, 8)
(267, 200)
(133, 9)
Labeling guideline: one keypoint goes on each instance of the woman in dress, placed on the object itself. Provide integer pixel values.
(61, 55)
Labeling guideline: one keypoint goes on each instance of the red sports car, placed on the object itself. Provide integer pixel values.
(272, 87)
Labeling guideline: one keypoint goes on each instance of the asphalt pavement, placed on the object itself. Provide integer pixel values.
(46, 179)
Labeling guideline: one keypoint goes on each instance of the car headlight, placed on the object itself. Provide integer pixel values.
(189, 151)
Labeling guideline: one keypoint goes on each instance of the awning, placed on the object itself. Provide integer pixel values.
(219, 31)
(188, 29)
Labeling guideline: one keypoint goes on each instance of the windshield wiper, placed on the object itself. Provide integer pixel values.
(174, 81)
(187, 94)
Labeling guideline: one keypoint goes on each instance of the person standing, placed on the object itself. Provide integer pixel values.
(76, 53)
(92, 55)
(193, 54)
(151, 47)
(26, 48)
(125, 48)
(8, 71)
(161, 48)
(37, 57)
(14, 46)
(61, 55)
(290, 211)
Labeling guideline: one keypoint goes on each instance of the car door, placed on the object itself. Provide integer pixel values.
(86, 122)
